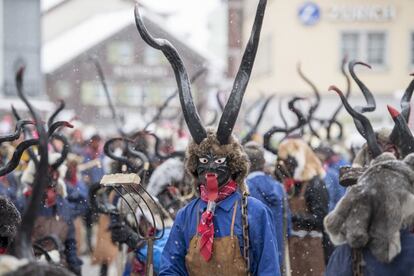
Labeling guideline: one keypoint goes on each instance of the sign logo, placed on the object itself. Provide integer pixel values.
(309, 14)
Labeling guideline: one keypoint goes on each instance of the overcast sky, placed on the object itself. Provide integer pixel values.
(188, 16)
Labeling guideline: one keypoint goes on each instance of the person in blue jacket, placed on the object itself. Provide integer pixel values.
(269, 191)
(332, 163)
(223, 231)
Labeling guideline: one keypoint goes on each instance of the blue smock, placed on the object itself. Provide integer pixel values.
(263, 251)
(271, 193)
(340, 263)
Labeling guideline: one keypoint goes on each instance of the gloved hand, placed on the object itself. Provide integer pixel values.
(373, 212)
(122, 233)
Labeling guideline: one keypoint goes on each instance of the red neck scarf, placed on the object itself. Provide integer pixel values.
(206, 226)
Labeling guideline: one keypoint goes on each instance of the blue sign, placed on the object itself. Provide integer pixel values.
(309, 13)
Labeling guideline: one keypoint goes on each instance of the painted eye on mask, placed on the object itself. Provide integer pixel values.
(220, 161)
(203, 160)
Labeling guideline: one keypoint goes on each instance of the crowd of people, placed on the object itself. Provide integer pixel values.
(221, 207)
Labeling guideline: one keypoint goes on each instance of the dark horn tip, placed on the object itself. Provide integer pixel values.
(412, 74)
(394, 112)
(364, 64)
(69, 125)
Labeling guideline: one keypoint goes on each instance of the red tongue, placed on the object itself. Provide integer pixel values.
(212, 186)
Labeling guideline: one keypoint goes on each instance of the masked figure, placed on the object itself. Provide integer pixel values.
(223, 232)
(271, 192)
(302, 174)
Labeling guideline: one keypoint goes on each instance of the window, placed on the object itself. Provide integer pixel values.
(376, 48)
(350, 45)
(370, 47)
(120, 53)
(412, 49)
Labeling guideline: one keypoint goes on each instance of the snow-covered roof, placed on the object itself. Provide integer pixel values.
(40, 104)
(46, 5)
(77, 40)
(91, 32)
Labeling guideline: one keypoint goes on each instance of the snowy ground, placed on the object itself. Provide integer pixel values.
(93, 270)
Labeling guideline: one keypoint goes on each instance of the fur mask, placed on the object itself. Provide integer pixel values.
(373, 211)
(236, 158)
(308, 164)
(9, 219)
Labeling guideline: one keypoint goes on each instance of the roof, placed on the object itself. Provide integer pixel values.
(46, 5)
(40, 104)
(82, 37)
(75, 41)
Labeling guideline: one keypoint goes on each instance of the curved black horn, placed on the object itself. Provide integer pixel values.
(17, 155)
(291, 105)
(316, 104)
(22, 246)
(371, 105)
(406, 141)
(405, 111)
(232, 108)
(282, 116)
(15, 113)
(54, 126)
(253, 130)
(314, 89)
(18, 131)
(57, 111)
(367, 131)
(333, 120)
(65, 150)
(406, 99)
(140, 155)
(191, 116)
(267, 139)
(109, 152)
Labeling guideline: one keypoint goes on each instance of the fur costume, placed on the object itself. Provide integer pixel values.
(364, 157)
(9, 218)
(373, 211)
(233, 151)
(309, 164)
(171, 171)
(29, 174)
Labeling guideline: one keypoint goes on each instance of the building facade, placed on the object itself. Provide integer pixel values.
(139, 77)
(319, 33)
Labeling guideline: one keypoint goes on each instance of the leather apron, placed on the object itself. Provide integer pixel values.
(226, 257)
(306, 251)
